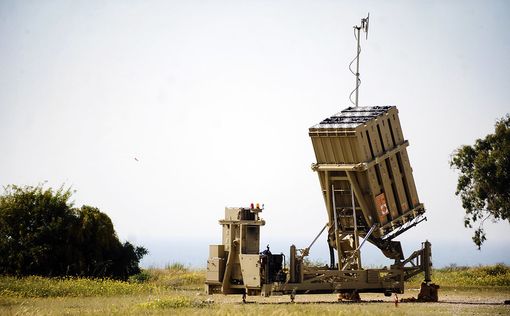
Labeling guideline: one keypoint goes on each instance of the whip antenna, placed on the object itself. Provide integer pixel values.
(357, 31)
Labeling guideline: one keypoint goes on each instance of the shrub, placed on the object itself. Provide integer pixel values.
(41, 233)
(141, 277)
(499, 269)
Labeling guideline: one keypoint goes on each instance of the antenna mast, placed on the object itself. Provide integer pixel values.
(357, 33)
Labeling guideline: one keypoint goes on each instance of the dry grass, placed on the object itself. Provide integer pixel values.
(226, 305)
(178, 289)
(177, 276)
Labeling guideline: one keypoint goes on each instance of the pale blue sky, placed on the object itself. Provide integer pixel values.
(215, 99)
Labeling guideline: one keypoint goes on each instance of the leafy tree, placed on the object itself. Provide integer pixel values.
(484, 179)
(35, 227)
(42, 233)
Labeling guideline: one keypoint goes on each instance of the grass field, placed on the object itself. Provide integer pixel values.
(179, 290)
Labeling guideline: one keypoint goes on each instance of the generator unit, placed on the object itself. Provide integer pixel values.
(237, 265)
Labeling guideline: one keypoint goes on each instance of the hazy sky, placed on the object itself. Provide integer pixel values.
(215, 98)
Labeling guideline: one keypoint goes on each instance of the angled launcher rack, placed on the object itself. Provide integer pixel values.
(366, 180)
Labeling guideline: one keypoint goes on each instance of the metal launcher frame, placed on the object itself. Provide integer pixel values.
(370, 195)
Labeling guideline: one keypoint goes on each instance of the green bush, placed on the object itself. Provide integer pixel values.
(497, 270)
(41, 233)
(142, 277)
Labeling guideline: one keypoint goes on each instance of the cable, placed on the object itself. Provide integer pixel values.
(357, 55)
(358, 82)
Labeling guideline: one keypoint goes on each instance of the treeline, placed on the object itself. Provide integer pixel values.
(41, 233)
